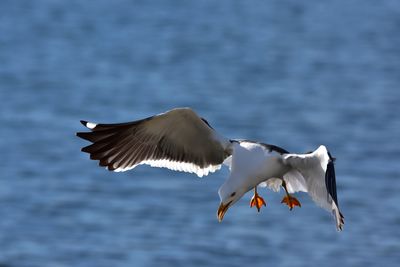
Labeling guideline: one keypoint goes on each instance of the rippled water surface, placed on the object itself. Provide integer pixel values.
(292, 73)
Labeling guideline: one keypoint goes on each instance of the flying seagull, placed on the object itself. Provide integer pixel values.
(180, 140)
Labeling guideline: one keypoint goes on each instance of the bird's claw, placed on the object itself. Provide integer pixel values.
(257, 201)
(291, 201)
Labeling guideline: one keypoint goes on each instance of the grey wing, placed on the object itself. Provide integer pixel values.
(178, 140)
(316, 169)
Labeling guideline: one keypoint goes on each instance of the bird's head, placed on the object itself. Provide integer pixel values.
(229, 193)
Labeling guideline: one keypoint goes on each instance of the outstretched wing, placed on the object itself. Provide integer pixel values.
(178, 140)
(317, 170)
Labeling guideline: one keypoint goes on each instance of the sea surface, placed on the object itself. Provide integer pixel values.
(296, 74)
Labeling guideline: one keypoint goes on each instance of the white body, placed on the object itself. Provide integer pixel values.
(250, 165)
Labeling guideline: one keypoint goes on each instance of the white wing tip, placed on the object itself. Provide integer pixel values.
(89, 125)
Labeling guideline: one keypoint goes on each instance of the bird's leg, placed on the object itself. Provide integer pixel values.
(288, 199)
(256, 200)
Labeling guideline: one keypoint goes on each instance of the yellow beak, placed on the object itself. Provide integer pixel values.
(222, 209)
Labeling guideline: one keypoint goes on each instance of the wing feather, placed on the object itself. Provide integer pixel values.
(318, 172)
(178, 139)
(295, 182)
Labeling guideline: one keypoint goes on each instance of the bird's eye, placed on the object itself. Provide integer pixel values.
(233, 194)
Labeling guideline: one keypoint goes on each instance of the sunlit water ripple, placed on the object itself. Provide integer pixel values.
(295, 74)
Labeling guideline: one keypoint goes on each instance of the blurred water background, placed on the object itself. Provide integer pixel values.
(292, 73)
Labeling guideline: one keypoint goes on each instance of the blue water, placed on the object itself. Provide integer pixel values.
(292, 73)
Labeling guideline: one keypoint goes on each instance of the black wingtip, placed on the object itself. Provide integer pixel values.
(330, 181)
(85, 135)
(84, 123)
(333, 159)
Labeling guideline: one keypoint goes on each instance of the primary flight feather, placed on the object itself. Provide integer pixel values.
(180, 140)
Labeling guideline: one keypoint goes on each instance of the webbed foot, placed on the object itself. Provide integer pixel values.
(257, 201)
(291, 201)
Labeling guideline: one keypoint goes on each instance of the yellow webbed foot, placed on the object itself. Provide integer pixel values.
(291, 201)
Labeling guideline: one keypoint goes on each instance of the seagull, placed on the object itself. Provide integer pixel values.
(181, 140)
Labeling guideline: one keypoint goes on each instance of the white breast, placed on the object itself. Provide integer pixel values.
(254, 163)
